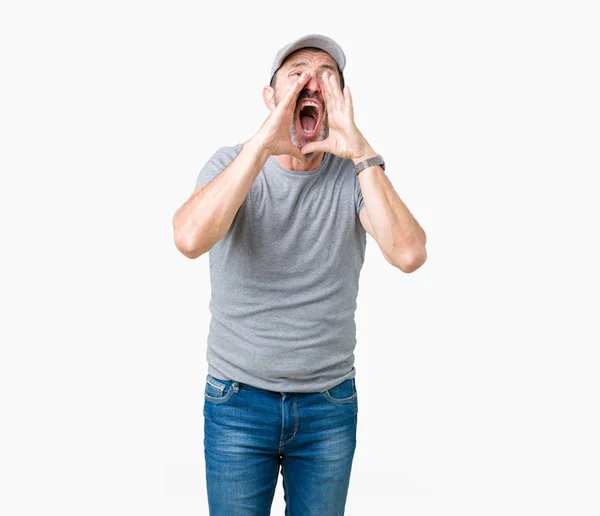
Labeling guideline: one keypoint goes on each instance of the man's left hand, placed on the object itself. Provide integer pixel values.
(344, 140)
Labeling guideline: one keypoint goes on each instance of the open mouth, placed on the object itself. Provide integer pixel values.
(309, 117)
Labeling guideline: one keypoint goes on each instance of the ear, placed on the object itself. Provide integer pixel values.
(269, 98)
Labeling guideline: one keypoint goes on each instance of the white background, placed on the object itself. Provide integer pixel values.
(477, 374)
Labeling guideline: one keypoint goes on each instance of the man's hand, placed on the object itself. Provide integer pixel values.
(274, 134)
(345, 140)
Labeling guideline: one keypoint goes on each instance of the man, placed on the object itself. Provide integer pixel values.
(284, 221)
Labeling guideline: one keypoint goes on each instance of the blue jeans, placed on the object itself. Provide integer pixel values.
(250, 432)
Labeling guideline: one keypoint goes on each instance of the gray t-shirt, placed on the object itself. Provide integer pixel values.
(284, 279)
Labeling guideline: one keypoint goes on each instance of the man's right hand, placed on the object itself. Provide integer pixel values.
(274, 134)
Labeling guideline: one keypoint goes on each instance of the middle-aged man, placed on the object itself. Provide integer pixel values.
(284, 218)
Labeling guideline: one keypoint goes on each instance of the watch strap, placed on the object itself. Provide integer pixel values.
(361, 165)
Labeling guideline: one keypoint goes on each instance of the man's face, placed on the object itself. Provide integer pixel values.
(310, 123)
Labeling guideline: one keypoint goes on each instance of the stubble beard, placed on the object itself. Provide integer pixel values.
(300, 142)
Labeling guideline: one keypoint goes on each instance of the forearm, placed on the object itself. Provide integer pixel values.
(397, 232)
(207, 215)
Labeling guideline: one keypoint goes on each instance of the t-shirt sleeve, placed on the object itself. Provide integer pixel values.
(217, 163)
(358, 198)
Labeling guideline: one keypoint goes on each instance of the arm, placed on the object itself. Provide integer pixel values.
(207, 215)
(366, 223)
(389, 222)
(387, 219)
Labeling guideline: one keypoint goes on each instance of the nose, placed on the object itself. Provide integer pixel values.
(313, 84)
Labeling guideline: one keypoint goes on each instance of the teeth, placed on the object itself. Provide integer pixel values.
(310, 103)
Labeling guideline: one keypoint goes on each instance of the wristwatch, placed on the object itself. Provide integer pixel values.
(361, 165)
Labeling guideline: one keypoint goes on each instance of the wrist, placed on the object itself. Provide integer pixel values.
(258, 147)
(364, 154)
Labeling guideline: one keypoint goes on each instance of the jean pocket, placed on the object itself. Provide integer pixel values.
(344, 392)
(219, 391)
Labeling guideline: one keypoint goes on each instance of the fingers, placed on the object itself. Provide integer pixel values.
(333, 89)
(321, 146)
(348, 99)
(336, 92)
(289, 148)
(333, 96)
(327, 92)
(295, 151)
(292, 94)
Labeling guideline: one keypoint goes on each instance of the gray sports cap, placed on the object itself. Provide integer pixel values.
(311, 40)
